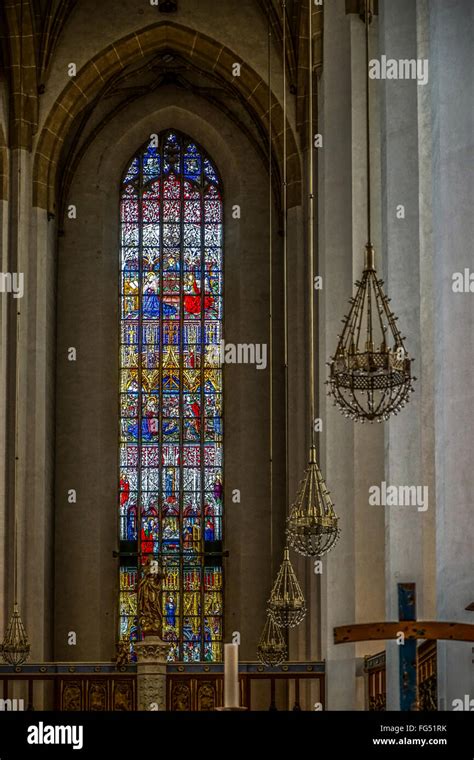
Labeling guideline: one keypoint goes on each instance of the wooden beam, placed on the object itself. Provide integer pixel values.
(432, 630)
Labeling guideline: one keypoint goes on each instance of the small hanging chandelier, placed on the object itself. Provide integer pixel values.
(287, 605)
(370, 373)
(15, 648)
(312, 525)
(271, 648)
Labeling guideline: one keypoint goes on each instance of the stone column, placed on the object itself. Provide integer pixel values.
(4, 354)
(151, 673)
(29, 374)
(404, 525)
(452, 90)
(351, 455)
(30, 409)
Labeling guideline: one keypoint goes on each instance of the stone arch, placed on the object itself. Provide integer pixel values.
(21, 63)
(163, 36)
(88, 253)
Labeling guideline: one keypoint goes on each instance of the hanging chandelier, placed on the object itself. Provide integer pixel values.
(271, 650)
(370, 373)
(287, 605)
(15, 648)
(312, 525)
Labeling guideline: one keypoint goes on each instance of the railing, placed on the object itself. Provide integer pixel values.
(100, 687)
(374, 667)
(70, 686)
(425, 675)
(426, 662)
(291, 686)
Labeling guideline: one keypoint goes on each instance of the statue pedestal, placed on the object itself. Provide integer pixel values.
(151, 673)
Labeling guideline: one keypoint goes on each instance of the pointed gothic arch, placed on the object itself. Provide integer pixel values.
(171, 392)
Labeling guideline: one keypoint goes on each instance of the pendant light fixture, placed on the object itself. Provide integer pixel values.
(15, 648)
(286, 604)
(370, 373)
(312, 526)
(272, 649)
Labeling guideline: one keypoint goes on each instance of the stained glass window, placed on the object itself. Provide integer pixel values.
(171, 433)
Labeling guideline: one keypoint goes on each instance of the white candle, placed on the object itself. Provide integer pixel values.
(231, 675)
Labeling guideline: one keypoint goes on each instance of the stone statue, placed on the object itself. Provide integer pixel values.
(149, 600)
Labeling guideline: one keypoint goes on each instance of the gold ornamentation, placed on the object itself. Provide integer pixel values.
(149, 602)
(428, 695)
(97, 696)
(71, 697)
(370, 373)
(123, 696)
(15, 648)
(313, 524)
(271, 648)
(206, 697)
(287, 604)
(181, 697)
(122, 657)
(377, 703)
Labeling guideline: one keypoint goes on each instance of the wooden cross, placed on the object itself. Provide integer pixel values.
(412, 630)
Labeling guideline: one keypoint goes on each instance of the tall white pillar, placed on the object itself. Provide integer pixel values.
(351, 455)
(405, 525)
(452, 90)
(4, 354)
(30, 427)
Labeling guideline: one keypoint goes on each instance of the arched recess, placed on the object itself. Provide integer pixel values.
(87, 319)
(193, 46)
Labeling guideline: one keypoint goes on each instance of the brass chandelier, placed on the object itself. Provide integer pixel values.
(370, 373)
(271, 649)
(312, 525)
(287, 605)
(15, 648)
